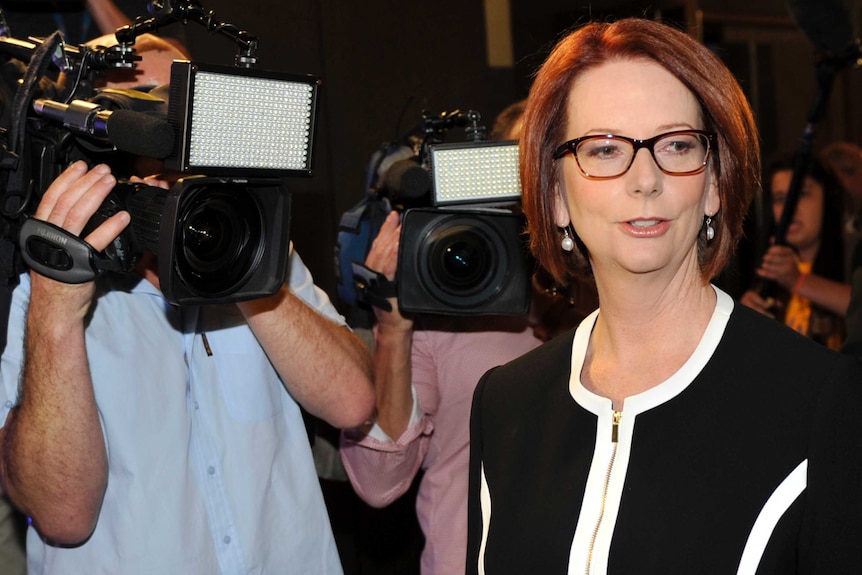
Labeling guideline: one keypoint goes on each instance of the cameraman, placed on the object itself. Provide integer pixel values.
(426, 369)
(148, 438)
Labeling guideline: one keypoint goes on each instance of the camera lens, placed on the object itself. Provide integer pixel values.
(213, 236)
(222, 239)
(460, 260)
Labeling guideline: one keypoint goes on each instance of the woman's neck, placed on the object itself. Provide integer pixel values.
(646, 330)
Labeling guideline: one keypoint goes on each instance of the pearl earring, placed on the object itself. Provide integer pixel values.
(710, 231)
(567, 242)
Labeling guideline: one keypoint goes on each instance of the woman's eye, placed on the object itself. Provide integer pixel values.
(603, 151)
(677, 147)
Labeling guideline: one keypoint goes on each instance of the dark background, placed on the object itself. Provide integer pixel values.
(382, 62)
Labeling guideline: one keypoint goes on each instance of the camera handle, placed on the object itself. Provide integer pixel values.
(372, 287)
(60, 255)
(170, 11)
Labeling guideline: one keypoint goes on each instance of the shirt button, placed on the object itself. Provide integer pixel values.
(211, 470)
(9, 404)
(226, 539)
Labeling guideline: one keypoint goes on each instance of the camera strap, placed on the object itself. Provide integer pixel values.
(16, 194)
(60, 255)
(372, 287)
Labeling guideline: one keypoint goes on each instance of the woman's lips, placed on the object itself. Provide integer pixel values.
(646, 227)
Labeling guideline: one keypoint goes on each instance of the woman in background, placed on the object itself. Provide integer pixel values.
(809, 268)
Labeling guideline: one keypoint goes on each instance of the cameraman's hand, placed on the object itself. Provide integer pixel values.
(69, 203)
(383, 258)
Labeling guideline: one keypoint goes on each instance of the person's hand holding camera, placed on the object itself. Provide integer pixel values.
(383, 258)
(393, 338)
(69, 203)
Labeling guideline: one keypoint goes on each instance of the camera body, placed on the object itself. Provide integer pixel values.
(462, 249)
(466, 253)
(217, 238)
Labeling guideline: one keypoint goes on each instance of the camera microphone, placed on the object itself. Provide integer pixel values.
(407, 181)
(129, 131)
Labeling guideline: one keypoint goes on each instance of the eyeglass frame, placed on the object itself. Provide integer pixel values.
(571, 147)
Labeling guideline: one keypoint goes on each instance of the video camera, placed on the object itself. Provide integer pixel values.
(221, 232)
(462, 249)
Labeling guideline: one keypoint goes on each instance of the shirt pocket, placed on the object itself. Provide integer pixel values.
(250, 386)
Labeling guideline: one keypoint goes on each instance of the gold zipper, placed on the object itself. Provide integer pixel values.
(617, 415)
(615, 431)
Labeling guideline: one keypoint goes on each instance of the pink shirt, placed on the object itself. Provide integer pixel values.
(446, 368)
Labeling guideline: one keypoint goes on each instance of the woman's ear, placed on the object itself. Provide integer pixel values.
(713, 199)
(561, 208)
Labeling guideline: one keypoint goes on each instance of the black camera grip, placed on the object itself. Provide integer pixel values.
(56, 253)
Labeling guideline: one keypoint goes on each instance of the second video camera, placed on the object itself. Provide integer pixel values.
(466, 253)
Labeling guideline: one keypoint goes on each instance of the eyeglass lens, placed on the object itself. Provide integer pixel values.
(676, 153)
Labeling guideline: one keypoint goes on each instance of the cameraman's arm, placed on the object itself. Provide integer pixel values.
(393, 340)
(324, 365)
(54, 464)
(382, 468)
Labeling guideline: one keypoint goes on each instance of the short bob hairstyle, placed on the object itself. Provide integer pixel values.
(725, 111)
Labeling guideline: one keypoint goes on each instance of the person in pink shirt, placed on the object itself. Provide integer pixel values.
(425, 374)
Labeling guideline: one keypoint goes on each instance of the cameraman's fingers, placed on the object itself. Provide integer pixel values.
(391, 224)
(389, 231)
(70, 202)
(383, 256)
(58, 187)
(102, 236)
(73, 217)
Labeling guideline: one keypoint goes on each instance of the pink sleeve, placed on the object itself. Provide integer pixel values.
(381, 471)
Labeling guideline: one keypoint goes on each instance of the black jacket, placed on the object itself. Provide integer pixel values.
(755, 444)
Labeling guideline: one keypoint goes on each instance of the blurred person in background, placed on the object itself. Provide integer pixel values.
(809, 270)
(845, 159)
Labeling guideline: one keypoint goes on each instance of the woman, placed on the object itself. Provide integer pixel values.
(809, 269)
(672, 432)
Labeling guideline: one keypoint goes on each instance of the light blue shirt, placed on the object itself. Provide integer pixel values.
(209, 463)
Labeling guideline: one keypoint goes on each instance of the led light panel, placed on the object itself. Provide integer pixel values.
(235, 120)
(475, 172)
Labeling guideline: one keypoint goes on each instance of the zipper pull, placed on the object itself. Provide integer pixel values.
(616, 428)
